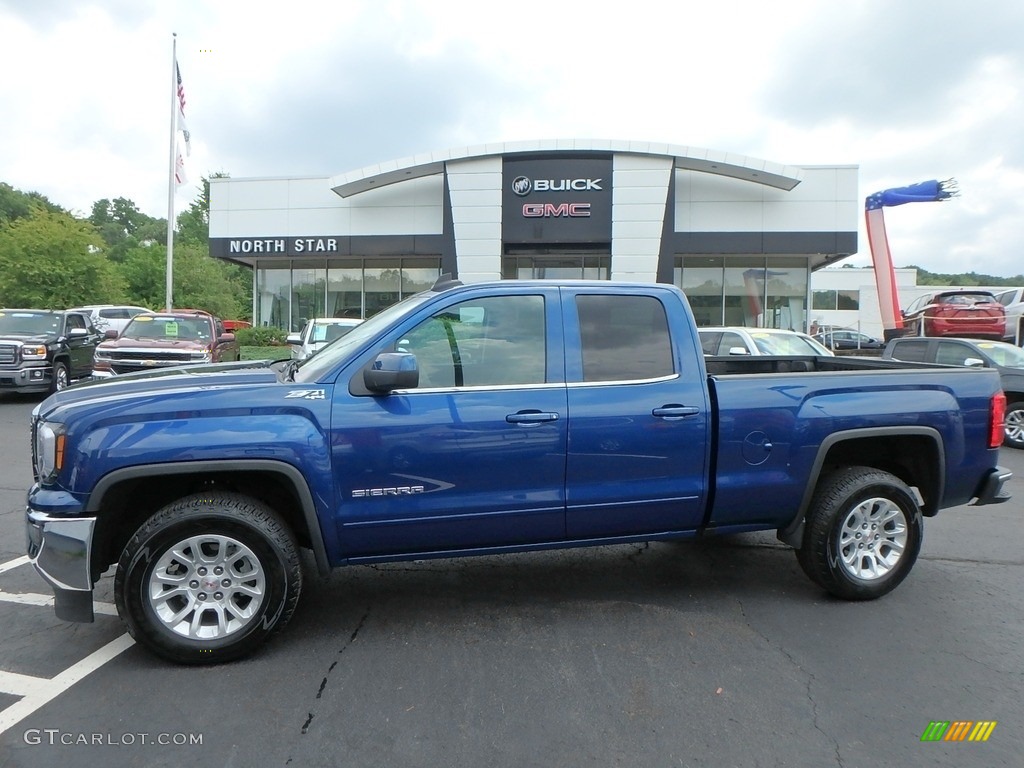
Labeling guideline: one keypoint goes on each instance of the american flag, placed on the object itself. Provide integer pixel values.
(182, 125)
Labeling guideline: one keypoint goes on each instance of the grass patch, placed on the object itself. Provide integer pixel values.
(266, 353)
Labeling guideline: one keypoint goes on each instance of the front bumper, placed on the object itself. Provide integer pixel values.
(35, 378)
(60, 548)
(991, 489)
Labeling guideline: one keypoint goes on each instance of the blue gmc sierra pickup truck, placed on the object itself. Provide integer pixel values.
(488, 418)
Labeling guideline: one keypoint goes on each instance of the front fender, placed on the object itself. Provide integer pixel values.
(292, 475)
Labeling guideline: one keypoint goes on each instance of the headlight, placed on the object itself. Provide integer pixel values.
(201, 357)
(33, 352)
(49, 450)
(102, 354)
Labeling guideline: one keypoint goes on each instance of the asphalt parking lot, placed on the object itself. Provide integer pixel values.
(714, 653)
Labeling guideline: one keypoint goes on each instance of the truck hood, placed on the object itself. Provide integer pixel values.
(178, 378)
(21, 338)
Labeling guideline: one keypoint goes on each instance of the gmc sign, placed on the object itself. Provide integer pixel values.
(551, 210)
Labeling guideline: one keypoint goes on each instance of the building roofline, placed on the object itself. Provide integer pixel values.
(711, 161)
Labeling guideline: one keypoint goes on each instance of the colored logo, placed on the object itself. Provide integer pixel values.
(958, 730)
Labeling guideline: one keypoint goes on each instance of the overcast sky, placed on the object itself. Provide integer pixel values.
(908, 90)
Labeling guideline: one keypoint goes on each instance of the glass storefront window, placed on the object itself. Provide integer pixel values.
(383, 285)
(743, 295)
(273, 287)
(823, 300)
(785, 293)
(416, 279)
(308, 286)
(289, 294)
(563, 267)
(701, 281)
(345, 288)
(848, 300)
(752, 291)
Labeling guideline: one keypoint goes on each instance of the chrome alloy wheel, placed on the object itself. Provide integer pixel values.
(872, 539)
(1014, 425)
(207, 587)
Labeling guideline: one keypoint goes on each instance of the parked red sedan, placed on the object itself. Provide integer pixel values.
(976, 314)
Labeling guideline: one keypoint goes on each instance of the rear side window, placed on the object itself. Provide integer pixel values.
(911, 351)
(624, 338)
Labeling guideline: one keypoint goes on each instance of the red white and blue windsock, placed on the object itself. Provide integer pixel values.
(885, 274)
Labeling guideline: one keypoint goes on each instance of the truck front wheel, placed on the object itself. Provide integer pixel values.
(862, 535)
(61, 378)
(208, 578)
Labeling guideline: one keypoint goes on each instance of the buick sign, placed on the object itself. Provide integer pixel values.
(522, 185)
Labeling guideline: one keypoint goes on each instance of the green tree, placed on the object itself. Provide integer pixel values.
(52, 259)
(15, 204)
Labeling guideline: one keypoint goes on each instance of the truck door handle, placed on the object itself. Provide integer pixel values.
(675, 411)
(531, 417)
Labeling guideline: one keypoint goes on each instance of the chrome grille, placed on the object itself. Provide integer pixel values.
(8, 354)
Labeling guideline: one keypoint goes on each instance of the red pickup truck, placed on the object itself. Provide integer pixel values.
(160, 339)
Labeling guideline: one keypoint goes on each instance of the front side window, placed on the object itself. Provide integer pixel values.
(493, 341)
(624, 338)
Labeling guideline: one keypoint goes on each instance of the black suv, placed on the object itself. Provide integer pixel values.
(43, 350)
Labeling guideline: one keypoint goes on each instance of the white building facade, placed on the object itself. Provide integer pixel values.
(740, 235)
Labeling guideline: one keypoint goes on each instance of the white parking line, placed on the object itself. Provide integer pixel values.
(39, 691)
(23, 560)
(36, 692)
(46, 601)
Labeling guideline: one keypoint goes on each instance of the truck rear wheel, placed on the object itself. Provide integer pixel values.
(208, 578)
(862, 535)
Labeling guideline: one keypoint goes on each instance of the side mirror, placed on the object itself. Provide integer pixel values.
(738, 351)
(110, 333)
(974, 362)
(391, 371)
(77, 333)
(226, 338)
(293, 338)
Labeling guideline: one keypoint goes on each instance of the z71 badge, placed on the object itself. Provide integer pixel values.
(306, 394)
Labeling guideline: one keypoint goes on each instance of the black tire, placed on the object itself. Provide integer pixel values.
(175, 601)
(61, 378)
(862, 534)
(1014, 425)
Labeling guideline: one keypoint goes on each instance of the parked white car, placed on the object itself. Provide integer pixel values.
(1012, 300)
(107, 317)
(758, 341)
(318, 333)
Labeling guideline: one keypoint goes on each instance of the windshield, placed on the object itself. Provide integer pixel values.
(1001, 353)
(787, 344)
(29, 323)
(328, 358)
(168, 328)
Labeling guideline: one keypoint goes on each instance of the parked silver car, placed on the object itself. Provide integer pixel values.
(106, 317)
(318, 333)
(758, 341)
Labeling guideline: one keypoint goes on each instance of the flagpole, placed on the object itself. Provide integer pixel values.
(170, 173)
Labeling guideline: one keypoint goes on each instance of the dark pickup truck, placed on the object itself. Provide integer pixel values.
(480, 419)
(44, 350)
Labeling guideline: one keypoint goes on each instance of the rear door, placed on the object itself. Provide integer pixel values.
(638, 414)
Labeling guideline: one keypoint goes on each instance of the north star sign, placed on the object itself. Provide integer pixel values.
(282, 245)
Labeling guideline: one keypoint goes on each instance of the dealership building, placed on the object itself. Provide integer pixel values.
(741, 236)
